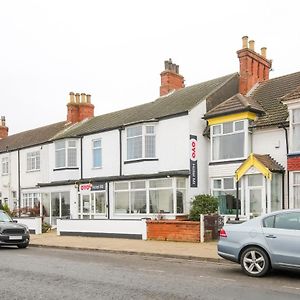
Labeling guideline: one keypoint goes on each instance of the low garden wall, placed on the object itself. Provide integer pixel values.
(34, 224)
(173, 230)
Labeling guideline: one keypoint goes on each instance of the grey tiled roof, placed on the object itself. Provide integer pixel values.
(31, 137)
(269, 93)
(178, 102)
(237, 103)
(295, 94)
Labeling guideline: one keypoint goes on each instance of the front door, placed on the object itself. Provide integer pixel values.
(255, 195)
(92, 205)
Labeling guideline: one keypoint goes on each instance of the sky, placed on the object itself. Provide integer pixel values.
(115, 50)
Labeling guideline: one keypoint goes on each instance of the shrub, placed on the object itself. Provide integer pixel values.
(203, 204)
(6, 208)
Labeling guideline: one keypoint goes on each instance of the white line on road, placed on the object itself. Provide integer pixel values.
(151, 270)
(291, 287)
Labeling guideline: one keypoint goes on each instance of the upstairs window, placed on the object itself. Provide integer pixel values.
(141, 142)
(295, 120)
(4, 165)
(228, 141)
(33, 161)
(97, 154)
(65, 154)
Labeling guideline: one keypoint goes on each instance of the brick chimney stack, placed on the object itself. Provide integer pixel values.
(254, 67)
(3, 129)
(170, 78)
(79, 107)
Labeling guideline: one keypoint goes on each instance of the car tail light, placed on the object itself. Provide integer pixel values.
(223, 233)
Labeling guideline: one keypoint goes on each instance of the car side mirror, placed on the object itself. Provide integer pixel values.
(14, 221)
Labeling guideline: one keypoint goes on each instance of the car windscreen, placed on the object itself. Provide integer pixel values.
(4, 217)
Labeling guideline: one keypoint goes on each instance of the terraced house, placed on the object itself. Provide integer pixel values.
(236, 135)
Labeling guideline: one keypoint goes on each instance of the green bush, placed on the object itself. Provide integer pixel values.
(203, 204)
(6, 208)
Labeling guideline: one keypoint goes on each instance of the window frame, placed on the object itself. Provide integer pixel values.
(292, 124)
(144, 134)
(100, 148)
(244, 130)
(65, 150)
(35, 159)
(5, 165)
(294, 186)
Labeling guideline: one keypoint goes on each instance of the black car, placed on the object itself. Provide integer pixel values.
(12, 233)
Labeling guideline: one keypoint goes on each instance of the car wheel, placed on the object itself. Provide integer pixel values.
(255, 262)
(22, 246)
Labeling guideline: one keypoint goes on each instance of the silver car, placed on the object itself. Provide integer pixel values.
(262, 243)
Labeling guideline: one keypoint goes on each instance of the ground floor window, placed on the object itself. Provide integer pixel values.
(276, 192)
(225, 190)
(30, 204)
(165, 195)
(296, 189)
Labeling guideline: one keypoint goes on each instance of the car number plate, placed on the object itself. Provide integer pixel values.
(15, 237)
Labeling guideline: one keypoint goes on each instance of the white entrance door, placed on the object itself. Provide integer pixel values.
(93, 205)
(255, 195)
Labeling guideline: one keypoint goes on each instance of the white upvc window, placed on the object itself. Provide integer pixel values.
(154, 196)
(296, 189)
(65, 154)
(141, 142)
(33, 161)
(97, 153)
(5, 166)
(229, 141)
(295, 130)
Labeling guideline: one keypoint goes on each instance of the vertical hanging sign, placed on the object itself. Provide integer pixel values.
(193, 161)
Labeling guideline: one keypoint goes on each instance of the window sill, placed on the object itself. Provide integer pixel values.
(67, 168)
(97, 168)
(4, 174)
(227, 161)
(33, 171)
(139, 160)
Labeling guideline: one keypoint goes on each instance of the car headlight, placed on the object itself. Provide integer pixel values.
(26, 229)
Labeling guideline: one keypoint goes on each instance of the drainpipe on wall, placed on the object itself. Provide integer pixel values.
(288, 173)
(19, 184)
(120, 148)
(81, 162)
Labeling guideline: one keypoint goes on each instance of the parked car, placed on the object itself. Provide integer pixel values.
(262, 243)
(12, 233)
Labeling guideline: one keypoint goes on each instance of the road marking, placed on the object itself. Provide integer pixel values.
(290, 287)
(228, 279)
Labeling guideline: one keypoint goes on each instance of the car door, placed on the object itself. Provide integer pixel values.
(282, 234)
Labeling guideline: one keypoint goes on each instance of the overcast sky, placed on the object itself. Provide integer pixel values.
(115, 49)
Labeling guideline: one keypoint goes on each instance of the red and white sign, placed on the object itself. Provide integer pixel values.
(85, 187)
(193, 144)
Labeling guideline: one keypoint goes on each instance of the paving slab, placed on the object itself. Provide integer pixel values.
(196, 251)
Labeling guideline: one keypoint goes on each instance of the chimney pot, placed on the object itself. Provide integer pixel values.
(88, 98)
(263, 52)
(77, 97)
(245, 41)
(3, 120)
(83, 98)
(251, 45)
(72, 97)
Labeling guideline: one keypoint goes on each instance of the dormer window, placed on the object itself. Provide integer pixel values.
(295, 127)
(228, 140)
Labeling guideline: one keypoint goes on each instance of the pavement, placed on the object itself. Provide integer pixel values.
(184, 250)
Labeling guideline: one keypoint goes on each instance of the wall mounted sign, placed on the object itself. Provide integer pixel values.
(95, 186)
(193, 161)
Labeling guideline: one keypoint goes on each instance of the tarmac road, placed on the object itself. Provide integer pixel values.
(45, 273)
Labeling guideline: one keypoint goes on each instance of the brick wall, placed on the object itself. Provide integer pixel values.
(294, 163)
(169, 230)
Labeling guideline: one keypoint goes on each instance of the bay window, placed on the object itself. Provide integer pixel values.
(140, 142)
(65, 154)
(228, 140)
(295, 127)
(33, 161)
(225, 190)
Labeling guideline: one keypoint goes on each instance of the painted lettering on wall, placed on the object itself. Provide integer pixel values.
(193, 162)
